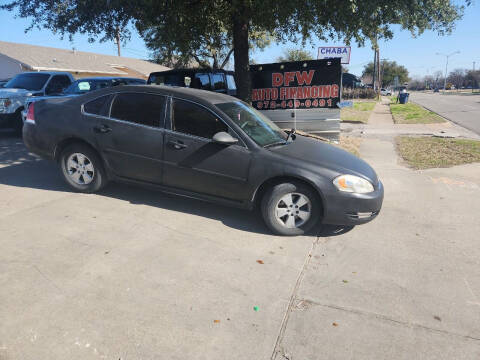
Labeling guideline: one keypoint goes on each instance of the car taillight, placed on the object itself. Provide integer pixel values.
(30, 114)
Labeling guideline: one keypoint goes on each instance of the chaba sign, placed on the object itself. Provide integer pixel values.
(300, 84)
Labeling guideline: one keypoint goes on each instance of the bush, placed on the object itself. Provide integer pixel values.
(360, 93)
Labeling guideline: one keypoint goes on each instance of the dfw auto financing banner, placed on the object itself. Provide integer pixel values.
(300, 84)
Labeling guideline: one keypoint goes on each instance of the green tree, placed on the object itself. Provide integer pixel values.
(188, 24)
(388, 71)
(295, 55)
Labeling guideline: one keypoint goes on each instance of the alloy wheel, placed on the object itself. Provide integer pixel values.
(80, 169)
(293, 210)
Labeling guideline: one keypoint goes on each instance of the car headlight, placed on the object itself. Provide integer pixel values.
(353, 184)
(5, 102)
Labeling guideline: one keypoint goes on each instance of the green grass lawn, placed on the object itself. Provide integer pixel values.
(411, 113)
(432, 152)
(359, 113)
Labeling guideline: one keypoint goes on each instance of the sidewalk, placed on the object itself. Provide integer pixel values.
(406, 285)
(381, 123)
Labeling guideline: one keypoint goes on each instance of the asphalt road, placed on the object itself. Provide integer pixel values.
(461, 109)
(134, 274)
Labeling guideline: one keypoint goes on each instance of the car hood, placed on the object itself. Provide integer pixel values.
(322, 154)
(8, 93)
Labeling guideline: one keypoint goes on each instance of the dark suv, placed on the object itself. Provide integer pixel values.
(221, 81)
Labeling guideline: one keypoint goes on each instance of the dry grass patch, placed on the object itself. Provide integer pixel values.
(413, 114)
(350, 144)
(359, 113)
(432, 152)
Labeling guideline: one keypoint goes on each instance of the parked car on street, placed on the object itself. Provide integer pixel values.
(204, 145)
(3, 82)
(221, 81)
(385, 92)
(25, 86)
(82, 86)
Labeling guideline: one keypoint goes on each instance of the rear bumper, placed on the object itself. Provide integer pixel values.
(33, 142)
(353, 209)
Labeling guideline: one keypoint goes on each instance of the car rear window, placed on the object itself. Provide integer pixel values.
(98, 106)
(218, 82)
(231, 82)
(139, 108)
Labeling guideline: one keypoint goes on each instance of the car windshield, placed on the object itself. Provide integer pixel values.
(83, 86)
(256, 125)
(33, 82)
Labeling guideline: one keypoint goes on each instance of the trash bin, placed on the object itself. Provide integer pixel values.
(403, 98)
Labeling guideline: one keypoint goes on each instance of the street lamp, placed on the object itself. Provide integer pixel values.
(446, 65)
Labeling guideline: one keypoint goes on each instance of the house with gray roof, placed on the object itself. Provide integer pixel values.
(16, 58)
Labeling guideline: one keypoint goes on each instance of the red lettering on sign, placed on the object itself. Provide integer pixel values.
(314, 92)
(304, 77)
(274, 94)
(288, 78)
(306, 92)
(277, 79)
(283, 93)
(325, 91)
(334, 90)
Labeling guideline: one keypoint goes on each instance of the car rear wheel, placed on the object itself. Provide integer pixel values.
(82, 168)
(290, 208)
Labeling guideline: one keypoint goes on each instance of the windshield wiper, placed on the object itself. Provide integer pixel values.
(291, 134)
(275, 143)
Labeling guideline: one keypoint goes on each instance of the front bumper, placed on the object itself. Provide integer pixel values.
(343, 208)
(6, 119)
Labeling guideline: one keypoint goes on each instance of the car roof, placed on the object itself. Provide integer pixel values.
(108, 78)
(194, 70)
(197, 95)
(47, 72)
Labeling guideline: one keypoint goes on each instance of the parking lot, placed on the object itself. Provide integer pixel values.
(135, 274)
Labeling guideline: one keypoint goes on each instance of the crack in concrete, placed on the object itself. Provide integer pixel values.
(277, 348)
(390, 319)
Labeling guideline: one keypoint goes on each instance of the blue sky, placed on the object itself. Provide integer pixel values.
(417, 54)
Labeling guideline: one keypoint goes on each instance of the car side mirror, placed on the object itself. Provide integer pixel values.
(224, 138)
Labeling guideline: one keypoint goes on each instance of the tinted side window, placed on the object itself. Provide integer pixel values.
(202, 81)
(144, 109)
(231, 82)
(57, 84)
(192, 119)
(218, 82)
(98, 106)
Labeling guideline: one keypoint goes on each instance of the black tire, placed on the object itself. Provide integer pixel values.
(272, 197)
(99, 178)
(17, 122)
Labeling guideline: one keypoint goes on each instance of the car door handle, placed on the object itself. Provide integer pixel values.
(177, 145)
(102, 129)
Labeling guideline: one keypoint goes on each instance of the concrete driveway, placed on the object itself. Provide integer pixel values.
(133, 274)
(461, 109)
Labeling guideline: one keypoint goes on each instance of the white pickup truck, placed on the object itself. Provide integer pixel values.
(25, 86)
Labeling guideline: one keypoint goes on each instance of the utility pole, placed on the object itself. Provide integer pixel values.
(383, 72)
(446, 66)
(117, 40)
(379, 84)
(474, 81)
(374, 68)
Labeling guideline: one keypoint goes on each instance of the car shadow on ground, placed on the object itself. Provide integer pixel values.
(21, 169)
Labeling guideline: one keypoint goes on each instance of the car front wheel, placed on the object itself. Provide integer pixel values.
(82, 168)
(290, 208)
